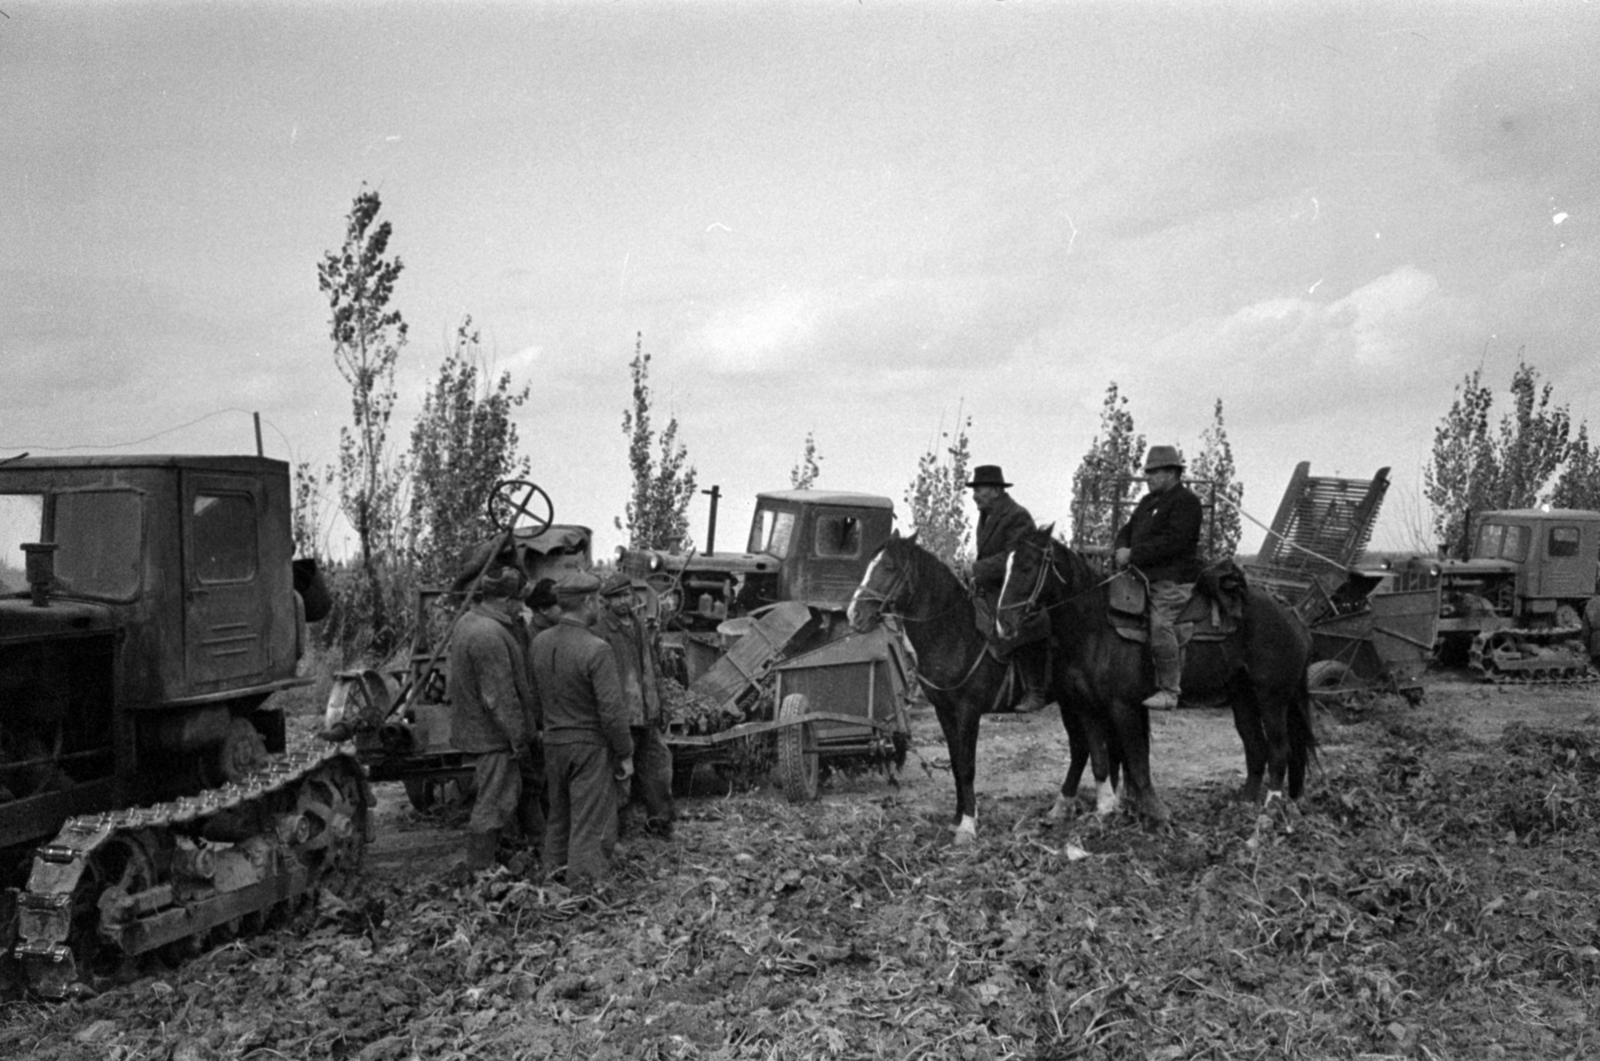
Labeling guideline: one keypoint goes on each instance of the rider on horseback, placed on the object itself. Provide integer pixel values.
(1161, 540)
(1002, 523)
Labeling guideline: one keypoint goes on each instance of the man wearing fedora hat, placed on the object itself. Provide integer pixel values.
(1002, 523)
(1161, 540)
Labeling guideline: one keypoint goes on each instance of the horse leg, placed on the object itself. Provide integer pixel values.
(1088, 745)
(964, 766)
(1077, 758)
(1131, 721)
(1247, 721)
(1275, 732)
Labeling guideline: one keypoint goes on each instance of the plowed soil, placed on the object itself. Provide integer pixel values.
(1432, 896)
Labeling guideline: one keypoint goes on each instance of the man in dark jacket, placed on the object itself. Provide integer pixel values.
(587, 744)
(637, 668)
(1002, 523)
(1161, 540)
(491, 702)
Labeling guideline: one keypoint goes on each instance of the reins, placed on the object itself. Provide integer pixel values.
(1050, 566)
(884, 601)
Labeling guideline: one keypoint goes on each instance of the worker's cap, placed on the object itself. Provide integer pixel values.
(501, 582)
(543, 594)
(615, 584)
(1163, 457)
(576, 585)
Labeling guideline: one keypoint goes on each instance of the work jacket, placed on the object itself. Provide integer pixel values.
(576, 688)
(491, 698)
(1163, 535)
(1000, 529)
(636, 666)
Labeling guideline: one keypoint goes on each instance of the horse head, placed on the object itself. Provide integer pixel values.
(885, 584)
(1028, 567)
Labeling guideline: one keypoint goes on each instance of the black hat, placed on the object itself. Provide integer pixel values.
(543, 594)
(989, 475)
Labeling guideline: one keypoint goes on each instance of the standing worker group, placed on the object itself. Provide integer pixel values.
(1161, 540)
(640, 674)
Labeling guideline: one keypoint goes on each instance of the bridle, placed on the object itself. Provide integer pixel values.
(1049, 566)
(884, 599)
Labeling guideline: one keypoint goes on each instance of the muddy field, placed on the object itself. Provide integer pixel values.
(1432, 897)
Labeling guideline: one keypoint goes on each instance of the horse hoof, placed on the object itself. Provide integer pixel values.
(1107, 801)
(965, 838)
(1157, 812)
(1061, 810)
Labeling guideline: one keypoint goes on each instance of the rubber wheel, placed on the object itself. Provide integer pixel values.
(423, 792)
(798, 768)
(1328, 675)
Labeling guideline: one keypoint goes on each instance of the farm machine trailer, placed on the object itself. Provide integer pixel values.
(148, 613)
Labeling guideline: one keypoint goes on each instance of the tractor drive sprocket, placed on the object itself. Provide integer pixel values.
(173, 878)
(1533, 656)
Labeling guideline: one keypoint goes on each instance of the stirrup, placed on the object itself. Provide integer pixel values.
(1161, 700)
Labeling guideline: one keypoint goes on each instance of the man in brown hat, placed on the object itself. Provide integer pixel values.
(1002, 523)
(491, 702)
(587, 744)
(640, 673)
(1161, 540)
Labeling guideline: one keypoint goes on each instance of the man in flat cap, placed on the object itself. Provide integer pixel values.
(588, 747)
(492, 707)
(1002, 523)
(1161, 540)
(640, 673)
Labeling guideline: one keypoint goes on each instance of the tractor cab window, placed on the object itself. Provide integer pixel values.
(1500, 541)
(224, 538)
(99, 536)
(838, 536)
(21, 521)
(772, 533)
(1563, 541)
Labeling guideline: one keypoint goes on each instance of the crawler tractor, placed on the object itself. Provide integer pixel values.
(149, 610)
(1523, 607)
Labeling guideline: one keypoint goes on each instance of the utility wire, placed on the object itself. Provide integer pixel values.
(148, 438)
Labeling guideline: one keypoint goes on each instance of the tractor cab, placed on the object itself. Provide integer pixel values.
(821, 541)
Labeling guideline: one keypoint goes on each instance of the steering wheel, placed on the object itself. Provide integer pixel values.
(503, 500)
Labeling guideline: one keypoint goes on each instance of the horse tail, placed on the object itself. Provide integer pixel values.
(1302, 734)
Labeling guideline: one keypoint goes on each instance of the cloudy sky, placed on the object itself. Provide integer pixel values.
(860, 220)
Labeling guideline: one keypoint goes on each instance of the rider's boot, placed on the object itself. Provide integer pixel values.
(1169, 672)
(1033, 670)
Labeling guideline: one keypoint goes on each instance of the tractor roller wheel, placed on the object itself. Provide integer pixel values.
(798, 767)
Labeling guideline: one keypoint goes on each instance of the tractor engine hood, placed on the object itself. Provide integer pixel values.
(653, 560)
(21, 620)
(1468, 568)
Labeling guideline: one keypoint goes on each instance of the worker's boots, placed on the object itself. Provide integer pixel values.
(480, 850)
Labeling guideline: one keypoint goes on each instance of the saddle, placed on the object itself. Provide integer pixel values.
(1213, 613)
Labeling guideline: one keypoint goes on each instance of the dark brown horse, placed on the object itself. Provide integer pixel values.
(1260, 668)
(961, 678)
